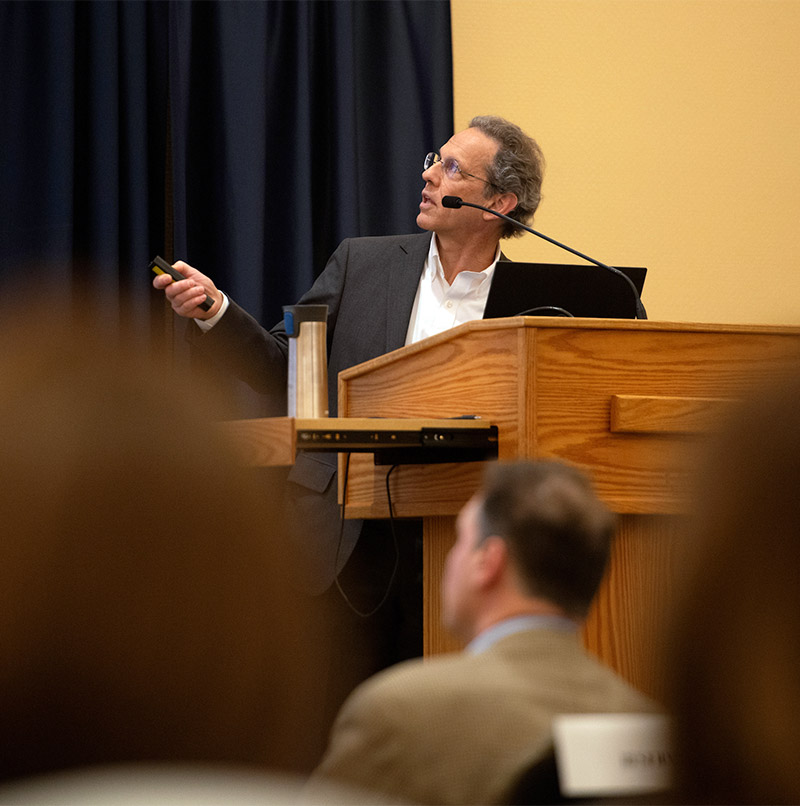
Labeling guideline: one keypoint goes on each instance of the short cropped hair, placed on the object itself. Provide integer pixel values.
(518, 168)
(557, 531)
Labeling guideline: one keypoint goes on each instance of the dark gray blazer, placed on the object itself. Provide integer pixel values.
(369, 286)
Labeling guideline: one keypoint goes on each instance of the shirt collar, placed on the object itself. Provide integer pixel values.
(434, 262)
(493, 634)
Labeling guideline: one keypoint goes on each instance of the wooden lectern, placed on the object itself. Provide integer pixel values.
(624, 400)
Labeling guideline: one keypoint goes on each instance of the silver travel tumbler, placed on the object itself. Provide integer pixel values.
(306, 326)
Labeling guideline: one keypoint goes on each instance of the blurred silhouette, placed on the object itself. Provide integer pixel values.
(531, 549)
(137, 624)
(736, 647)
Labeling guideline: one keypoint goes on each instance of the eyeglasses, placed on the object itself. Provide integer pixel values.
(450, 168)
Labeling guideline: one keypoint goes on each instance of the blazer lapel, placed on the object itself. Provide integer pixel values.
(402, 287)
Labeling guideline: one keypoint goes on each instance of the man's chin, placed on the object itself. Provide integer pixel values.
(423, 222)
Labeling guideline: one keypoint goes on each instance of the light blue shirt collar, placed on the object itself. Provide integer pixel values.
(502, 629)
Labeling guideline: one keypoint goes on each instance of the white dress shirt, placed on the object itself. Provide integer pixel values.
(206, 324)
(439, 306)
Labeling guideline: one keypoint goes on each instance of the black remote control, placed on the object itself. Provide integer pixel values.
(160, 266)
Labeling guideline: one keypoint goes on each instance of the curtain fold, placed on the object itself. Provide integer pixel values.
(83, 115)
(247, 138)
(297, 125)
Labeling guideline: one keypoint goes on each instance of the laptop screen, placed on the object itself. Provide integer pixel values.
(550, 289)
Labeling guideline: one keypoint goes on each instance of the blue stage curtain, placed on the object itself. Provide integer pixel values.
(83, 110)
(248, 138)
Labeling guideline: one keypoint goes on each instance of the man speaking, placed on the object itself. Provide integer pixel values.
(382, 293)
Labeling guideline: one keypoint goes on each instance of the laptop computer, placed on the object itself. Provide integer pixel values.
(557, 289)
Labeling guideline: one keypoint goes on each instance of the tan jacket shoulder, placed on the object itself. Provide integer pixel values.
(458, 728)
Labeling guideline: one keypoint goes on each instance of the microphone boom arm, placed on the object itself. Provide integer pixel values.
(457, 201)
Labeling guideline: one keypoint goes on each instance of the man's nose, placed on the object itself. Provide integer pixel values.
(430, 173)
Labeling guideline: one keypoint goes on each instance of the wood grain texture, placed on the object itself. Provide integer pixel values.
(438, 536)
(549, 385)
(477, 374)
(639, 414)
(262, 442)
(579, 372)
(626, 625)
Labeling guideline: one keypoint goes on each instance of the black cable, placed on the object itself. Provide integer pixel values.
(553, 310)
(394, 541)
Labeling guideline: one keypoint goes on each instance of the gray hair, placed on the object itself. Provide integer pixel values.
(518, 168)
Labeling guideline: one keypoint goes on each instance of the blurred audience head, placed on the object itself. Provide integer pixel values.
(534, 534)
(145, 608)
(736, 643)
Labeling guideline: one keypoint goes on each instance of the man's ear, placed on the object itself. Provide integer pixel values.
(493, 560)
(503, 203)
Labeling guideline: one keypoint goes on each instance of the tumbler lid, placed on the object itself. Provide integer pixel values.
(293, 315)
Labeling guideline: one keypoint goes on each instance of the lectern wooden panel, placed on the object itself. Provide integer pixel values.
(627, 401)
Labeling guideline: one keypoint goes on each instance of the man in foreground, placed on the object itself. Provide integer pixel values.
(530, 553)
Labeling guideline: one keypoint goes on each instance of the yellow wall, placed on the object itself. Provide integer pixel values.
(671, 130)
